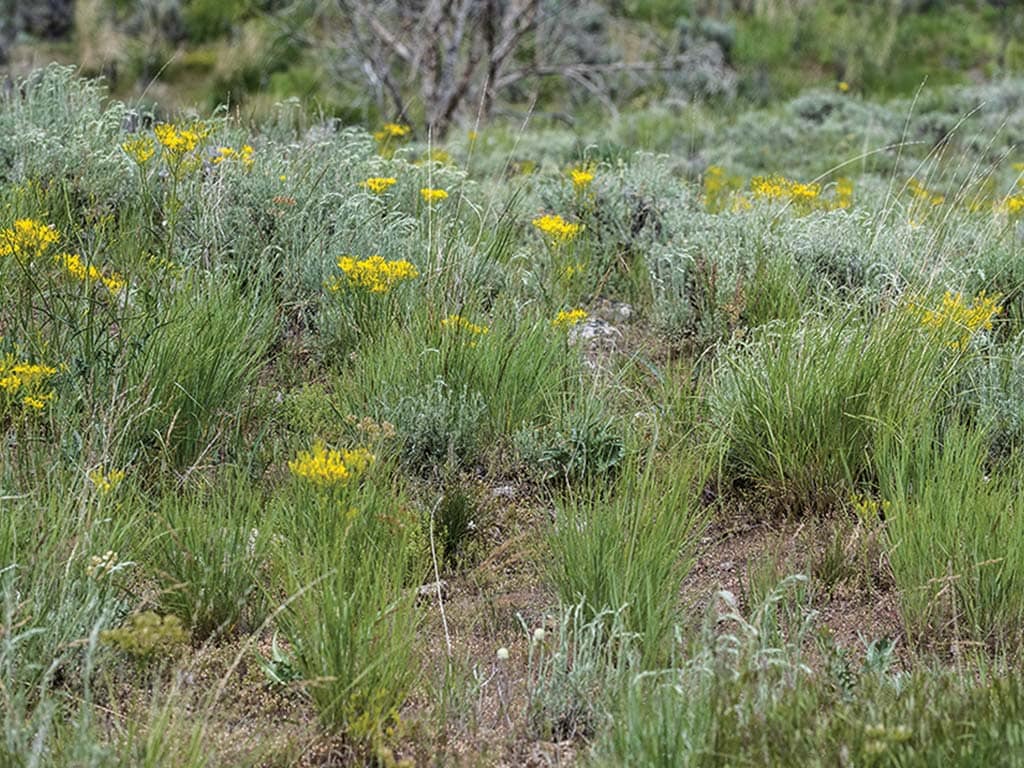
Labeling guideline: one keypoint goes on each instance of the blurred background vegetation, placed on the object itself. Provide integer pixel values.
(565, 61)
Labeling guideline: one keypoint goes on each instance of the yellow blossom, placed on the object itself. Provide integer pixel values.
(557, 228)
(379, 184)
(1012, 205)
(566, 318)
(374, 274)
(581, 178)
(392, 131)
(24, 383)
(72, 262)
(140, 149)
(27, 238)
(325, 467)
(781, 188)
(105, 482)
(179, 141)
(843, 86)
(458, 322)
(244, 154)
(433, 195)
(956, 316)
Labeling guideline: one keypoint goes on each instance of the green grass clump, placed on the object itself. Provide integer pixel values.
(626, 548)
(799, 407)
(951, 520)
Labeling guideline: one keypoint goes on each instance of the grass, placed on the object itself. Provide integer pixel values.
(728, 474)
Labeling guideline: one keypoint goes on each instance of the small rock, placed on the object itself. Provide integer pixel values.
(504, 492)
(593, 328)
(429, 591)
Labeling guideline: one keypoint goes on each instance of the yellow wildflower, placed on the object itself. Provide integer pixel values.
(72, 262)
(27, 238)
(1013, 205)
(140, 149)
(843, 86)
(105, 482)
(557, 228)
(433, 195)
(373, 274)
(458, 322)
(228, 153)
(379, 184)
(323, 466)
(24, 383)
(223, 153)
(392, 131)
(780, 188)
(566, 318)
(957, 316)
(179, 141)
(581, 178)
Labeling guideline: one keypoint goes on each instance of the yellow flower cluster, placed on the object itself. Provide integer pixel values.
(433, 195)
(458, 322)
(392, 131)
(557, 228)
(1013, 205)
(869, 510)
(140, 149)
(569, 317)
(24, 383)
(180, 141)
(230, 153)
(957, 316)
(581, 178)
(27, 239)
(780, 188)
(105, 482)
(373, 274)
(72, 262)
(323, 466)
(379, 184)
